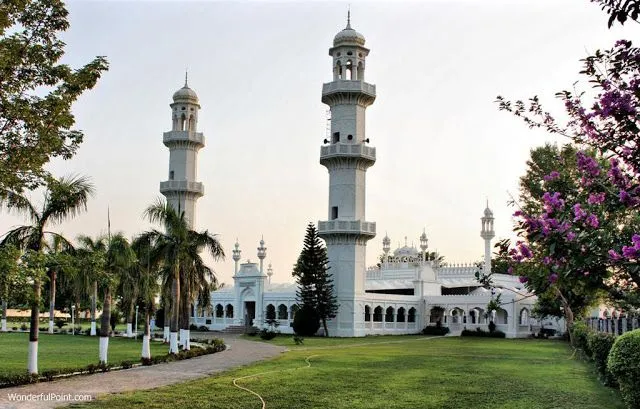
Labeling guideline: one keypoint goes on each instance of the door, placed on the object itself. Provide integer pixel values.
(249, 312)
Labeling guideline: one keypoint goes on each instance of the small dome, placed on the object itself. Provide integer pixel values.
(405, 251)
(488, 212)
(348, 36)
(185, 94)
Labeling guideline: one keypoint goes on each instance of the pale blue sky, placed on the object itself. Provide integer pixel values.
(258, 68)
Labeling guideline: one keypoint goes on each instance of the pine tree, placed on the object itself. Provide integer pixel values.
(315, 283)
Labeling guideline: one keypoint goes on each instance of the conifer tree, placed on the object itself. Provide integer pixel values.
(315, 283)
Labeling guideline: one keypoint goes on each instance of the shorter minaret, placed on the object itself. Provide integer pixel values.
(236, 256)
(269, 272)
(424, 244)
(262, 253)
(487, 234)
(386, 246)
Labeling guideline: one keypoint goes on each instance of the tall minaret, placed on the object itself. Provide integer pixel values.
(487, 234)
(347, 157)
(182, 190)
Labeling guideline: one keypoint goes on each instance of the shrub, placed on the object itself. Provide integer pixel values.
(146, 361)
(624, 364)
(252, 331)
(483, 334)
(14, 328)
(306, 322)
(435, 330)
(267, 334)
(60, 323)
(298, 340)
(87, 331)
(92, 368)
(193, 327)
(24, 327)
(492, 326)
(126, 364)
(579, 332)
(600, 343)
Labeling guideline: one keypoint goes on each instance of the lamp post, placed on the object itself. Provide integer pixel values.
(136, 325)
(73, 320)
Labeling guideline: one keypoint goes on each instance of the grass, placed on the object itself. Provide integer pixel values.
(394, 373)
(67, 351)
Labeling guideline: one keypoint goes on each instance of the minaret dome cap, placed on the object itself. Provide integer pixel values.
(185, 94)
(348, 36)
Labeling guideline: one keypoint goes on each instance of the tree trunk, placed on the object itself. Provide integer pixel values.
(5, 305)
(146, 347)
(94, 301)
(568, 315)
(324, 325)
(105, 325)
(175, 309)
(167, 321)
(185, 318)
(52, 300)
(132, 305)
(32, 366)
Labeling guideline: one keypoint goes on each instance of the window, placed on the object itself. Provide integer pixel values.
(412, 315)
(388, 317)
(350, 137)
(334, 212)
(170, 175)
(229, 311)
(377, 314)
(336, 137)
(400, 314)
(271, 312)
(282, 312)
(367, 313)
(219, 311)
(292, 311)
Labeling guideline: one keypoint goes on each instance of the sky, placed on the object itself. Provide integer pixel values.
(443, 147)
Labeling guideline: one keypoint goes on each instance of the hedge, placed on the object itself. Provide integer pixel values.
(624, 364)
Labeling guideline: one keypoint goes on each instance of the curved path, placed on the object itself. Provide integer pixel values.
(239, 353)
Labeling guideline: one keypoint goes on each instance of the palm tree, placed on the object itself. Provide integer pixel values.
(60, 250)
(146, 277)
(9, 256)
(178, 248)
(64, 198)
(197, 279)
(128, 287)
(118, 260)
(91, 254)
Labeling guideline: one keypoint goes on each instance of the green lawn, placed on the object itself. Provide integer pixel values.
(67, 351)
(396, 372)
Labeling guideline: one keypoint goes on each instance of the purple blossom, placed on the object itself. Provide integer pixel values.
(613, 255)
(553, 277)
(571, 236)
(627, 199)
(630, 252)
(510, 270)
(551, 176)
(517, 213)
(547, 260)
(552, 202)
(587, 165)
(592, 220)
(523, 279)
(578, 212)
(615, 174)
(525, 251)
(596, 198)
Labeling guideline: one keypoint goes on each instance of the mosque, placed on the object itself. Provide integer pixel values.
(405, 292)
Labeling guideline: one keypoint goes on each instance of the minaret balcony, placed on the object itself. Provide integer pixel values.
(347, 151)
(349, 86)
(172, 137)
(185, 186)
(357, 227)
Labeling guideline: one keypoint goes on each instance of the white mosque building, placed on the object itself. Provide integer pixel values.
(403, 293)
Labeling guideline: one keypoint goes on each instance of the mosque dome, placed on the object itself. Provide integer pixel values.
(348, 36)
(405, 251)
(185, 94)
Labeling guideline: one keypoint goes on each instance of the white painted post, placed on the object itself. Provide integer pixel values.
(73, 325)
(136, 325)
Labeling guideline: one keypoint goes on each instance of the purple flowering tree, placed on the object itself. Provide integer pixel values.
(578, 221)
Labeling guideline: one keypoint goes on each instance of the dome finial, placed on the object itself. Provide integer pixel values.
(349, 16)
(186, 77)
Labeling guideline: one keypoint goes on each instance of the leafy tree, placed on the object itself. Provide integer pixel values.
(9, 278)
(586, 234)
(63, 199)
(146, 275)
(620, 10)
(315, 283)
(90, 259)
(36, 91)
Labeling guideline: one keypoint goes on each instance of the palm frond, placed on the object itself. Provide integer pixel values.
(66, 197)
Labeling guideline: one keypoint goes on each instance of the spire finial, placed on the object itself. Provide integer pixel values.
(186, 77)
(349, 16)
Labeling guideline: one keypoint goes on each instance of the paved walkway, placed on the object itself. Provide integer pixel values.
(241, 352)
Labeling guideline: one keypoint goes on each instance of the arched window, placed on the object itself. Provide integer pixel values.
(175, 123)
(367, 313)
(209, 311)
(219, 311)
(401, 314)
(183, 122)
(282, 312)
(388, 317)
(229, 311)
(412, 315)
(524, 316)
(192, 123)
(360, 72)
(377, 314)
(501, 316)
(338, 71)
(293, 310)
(348, 71)
(271, 312)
